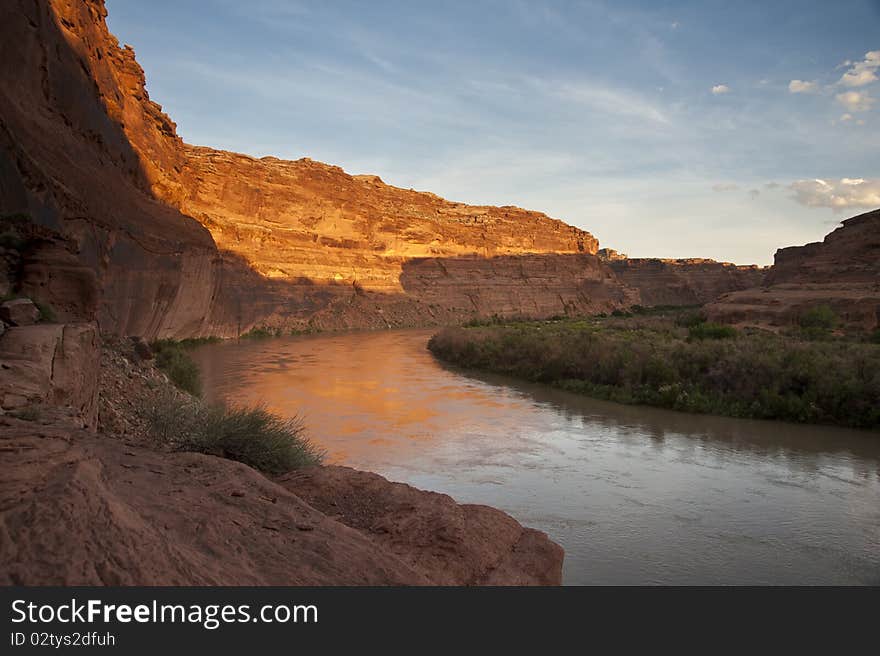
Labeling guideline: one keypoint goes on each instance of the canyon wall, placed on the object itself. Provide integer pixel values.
(191, 241)
(684, 281)
(188, 241)
(842, 272)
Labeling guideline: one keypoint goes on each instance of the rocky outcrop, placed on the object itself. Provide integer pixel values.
(19, 312)
(691, 281)
(83, 509)
(51, 367)
(447, 543)
(842, 272)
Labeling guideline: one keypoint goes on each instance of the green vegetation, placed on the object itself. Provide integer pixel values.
(47, 312)
(677, 360)
(708, 330)
(253, 436)
(816, 323)
(260, 333)
(30, 413)
(173, 359)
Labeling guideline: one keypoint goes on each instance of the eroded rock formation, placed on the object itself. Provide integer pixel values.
(681, 282)
(842, 272)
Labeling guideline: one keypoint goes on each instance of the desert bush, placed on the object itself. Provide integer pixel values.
(173, 359)
(251, 435)
(259, 333)
(820, 317)
(690, 319)
(758, 374)
(47, 312)
(708, 330)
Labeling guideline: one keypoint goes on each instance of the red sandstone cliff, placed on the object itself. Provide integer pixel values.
(843, 272)
(190, 241)
(187, 240)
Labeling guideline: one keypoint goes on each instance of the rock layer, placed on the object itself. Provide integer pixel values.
(681, 282)
(842, 272)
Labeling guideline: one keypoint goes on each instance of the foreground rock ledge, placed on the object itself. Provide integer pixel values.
(83, 509)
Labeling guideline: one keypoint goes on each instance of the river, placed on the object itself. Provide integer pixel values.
(635, 495)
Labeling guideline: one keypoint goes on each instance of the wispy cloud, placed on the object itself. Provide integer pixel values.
(609, 100)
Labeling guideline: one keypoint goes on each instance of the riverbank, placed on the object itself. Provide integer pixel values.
(674, 359)
(113, 503)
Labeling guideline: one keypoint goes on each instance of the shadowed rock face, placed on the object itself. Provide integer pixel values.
(843, 272)
(682, 282)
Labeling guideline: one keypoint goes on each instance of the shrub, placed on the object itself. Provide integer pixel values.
(707, 330)
(172, 358)
(820, 317)
(251, 435)
(259, 333)
(47, 312)
(690, 319)
(759, 374)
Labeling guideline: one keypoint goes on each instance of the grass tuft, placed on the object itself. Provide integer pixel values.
(251, 435)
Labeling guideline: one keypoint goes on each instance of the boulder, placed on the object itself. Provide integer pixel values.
(446, 542)
(19, 312)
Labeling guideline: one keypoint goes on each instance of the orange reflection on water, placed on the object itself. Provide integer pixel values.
(384, 395)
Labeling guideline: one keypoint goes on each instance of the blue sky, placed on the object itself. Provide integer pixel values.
(670, 129)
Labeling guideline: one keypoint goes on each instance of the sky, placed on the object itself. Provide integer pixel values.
(667, 129)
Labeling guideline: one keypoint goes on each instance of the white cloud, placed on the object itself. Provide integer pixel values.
(720, 88)
(863, 72)
(802, 86)
(845, 117)
(837, 194)
(725, 186)
(855, 101)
